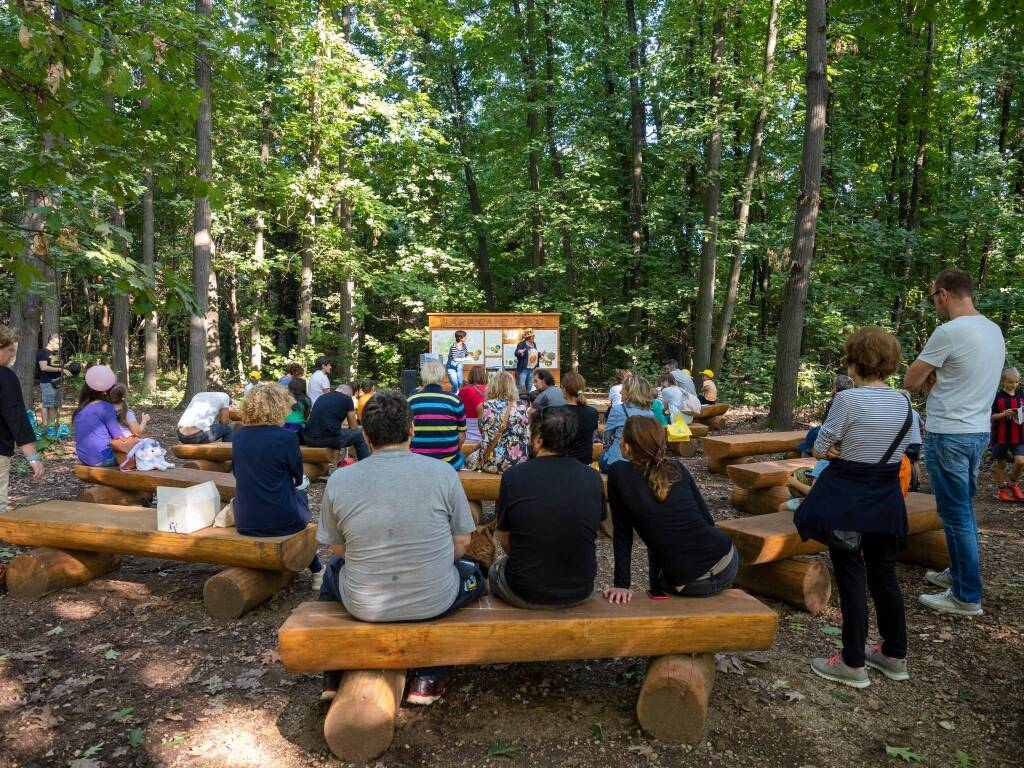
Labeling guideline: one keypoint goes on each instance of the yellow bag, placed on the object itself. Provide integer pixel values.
(678, 430)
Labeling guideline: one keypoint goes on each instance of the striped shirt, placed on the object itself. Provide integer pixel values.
(438, 420)
(865, 421)
(456, 354)
(1006, 431)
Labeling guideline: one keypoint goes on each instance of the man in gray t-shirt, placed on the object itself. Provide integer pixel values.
(959, 368)
(398, 524)
(683, 380)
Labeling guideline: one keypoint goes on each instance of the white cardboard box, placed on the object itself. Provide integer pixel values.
(184, 510)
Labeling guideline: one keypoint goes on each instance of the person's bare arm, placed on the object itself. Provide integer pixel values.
(1004, 415)
(505, 539)
(352, 424)
(27, 450)
(461, 541)
(138, 428)
(920, 377)
(224, 417)
(338, 549)
(802, 488)
(480, 412)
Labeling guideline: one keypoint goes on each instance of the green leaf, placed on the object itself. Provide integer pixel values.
(965, 695)
(176, 740)
(94, 749)
(830, 630)
(598, 731)
(842, 696)
(55, 631)
(122, 714)
(903, 753)
(502, 749)
(111, 654)
(963, 759)
(97, 62)
(135, 737)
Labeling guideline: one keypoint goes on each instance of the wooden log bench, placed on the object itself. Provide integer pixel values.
(722, 451)
(770, 547)
(144, 484)
(764, 501)
(216, 457)
(680, 635)
(78, 542)
(766, 474)
(713, 416)
(484, 486)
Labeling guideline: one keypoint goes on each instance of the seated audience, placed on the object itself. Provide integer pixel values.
(582, 448)
(549, 510)
(131, 425)
(207, 419)
(299, 413)
(324, 425)
(319, 382)
(840, 383)
(708, 390)
(653, 493)
(615, 392)
(682, 377)
(366, 390)
(398, 524)
(473, 394)
(676, 400)
(439, 417)
(549, 395)
(95, 419)
(251, 382)
(637, 398)
(504, 425)
(291, 371)
(270, 499)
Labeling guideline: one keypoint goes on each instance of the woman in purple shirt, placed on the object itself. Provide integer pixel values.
(95, 419)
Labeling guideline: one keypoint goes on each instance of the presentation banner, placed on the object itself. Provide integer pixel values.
(491, 338)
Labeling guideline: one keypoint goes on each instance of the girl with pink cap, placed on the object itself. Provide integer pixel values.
(95, 419)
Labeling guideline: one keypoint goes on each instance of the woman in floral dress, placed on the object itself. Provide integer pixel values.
(512, 445)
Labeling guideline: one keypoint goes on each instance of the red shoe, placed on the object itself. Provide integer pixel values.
(1016, 491)
(1005, 494)
(346, 462)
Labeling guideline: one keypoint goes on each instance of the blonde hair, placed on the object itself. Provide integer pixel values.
(502, 386)
(8, 337)
(638, 392)
(433, 372)
(267, 404)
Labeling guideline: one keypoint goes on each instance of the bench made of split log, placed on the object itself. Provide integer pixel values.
(147, 482)
(78, 542)
(723, 450)
(768, 538)
(672, 704)
(222, 452)
(766, 474)
(484, 486)
(696, 430)
(763, 501)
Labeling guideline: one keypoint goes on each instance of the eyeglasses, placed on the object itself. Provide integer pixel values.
(934, 293)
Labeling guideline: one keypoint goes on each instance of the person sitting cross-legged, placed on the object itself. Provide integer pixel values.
(653, 493)
(324, 424)
(398, 524)
(267, 464)
(549, 510)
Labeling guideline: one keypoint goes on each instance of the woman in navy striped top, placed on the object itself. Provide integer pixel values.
(439, 419)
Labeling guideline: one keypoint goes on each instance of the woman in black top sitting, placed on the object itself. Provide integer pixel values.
(582, 447)
(654, 494)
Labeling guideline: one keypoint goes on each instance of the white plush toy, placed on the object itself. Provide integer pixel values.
(149, 455)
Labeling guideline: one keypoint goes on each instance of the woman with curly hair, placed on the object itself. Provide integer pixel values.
(270, 499)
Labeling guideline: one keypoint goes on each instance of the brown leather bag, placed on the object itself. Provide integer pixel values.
(497, 435)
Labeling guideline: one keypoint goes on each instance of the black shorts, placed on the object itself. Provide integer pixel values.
(1000, 451)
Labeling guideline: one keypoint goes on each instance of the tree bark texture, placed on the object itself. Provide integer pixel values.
(712, 193)
(348, 365)
(305, 308)
(202, 245)
(638, 133)
(258, 296)
(527, 25)
(151, 343)
(794, 294)
(122, 308)
(746, 192)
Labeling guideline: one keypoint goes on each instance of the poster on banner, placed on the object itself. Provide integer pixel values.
(547, 348)
(492, 337)
(509, 355)
(441, 343)
(492, 344)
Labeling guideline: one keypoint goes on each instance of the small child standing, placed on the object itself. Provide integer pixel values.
(1008, 436)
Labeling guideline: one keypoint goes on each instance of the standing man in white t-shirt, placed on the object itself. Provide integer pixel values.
(959, 368)
(319, 383)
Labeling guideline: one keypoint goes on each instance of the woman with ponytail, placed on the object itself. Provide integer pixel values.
(582, 447)
(653, 493)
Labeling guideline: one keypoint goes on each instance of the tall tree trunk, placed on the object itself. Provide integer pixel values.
(202, 240)
(638, 133)
(712, 193)
(743, 215)
(213, 322)
(236, 322)
(51, 302)
(258, 296)
(25, 304)
(152, 345)
(555, 155)
(794, 294)
(349, 362)
(1006, 91)
(305, 308)
(122, 308)
(526, 33)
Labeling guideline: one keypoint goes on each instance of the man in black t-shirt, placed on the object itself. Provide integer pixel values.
(50, 370)
(324, 425)
(549, 511)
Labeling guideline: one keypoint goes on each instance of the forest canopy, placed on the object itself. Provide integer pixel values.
(264, 181)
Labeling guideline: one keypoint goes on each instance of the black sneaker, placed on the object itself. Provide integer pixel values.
(425, 690)
(331, 682)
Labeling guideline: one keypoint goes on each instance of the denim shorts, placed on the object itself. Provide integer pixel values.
(49, 394)
(1000, 451)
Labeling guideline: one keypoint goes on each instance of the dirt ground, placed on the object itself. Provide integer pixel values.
(129, 671)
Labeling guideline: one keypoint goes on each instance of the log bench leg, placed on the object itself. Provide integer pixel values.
(314, 471)
(805, 584)
(236, 591)
(33, 574)
(208, 465)
(673, 701)
(361, 721)
(715, 422)
(104, 494)
(928, 549)
(686, 448)
(718, 466)
(763, 501)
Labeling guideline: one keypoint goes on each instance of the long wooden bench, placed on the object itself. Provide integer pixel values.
(216, 457)
(680, 634)
(713, 416)
(80, 541)
(766, 474)
(724, 450)
(763, 501)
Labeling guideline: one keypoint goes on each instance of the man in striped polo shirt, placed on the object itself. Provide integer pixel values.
(439, 418)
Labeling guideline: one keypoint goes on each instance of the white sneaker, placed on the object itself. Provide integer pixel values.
(940, 579)
(944, 602)
(318, 581)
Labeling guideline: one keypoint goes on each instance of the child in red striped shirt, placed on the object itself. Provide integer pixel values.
(1008, 435)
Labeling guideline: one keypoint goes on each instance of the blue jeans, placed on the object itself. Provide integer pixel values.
(525, 379)
(455, 378)
(953, 462)
(216, 433)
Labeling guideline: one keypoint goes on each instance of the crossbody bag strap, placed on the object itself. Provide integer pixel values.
(902, 433)
(497, 435)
